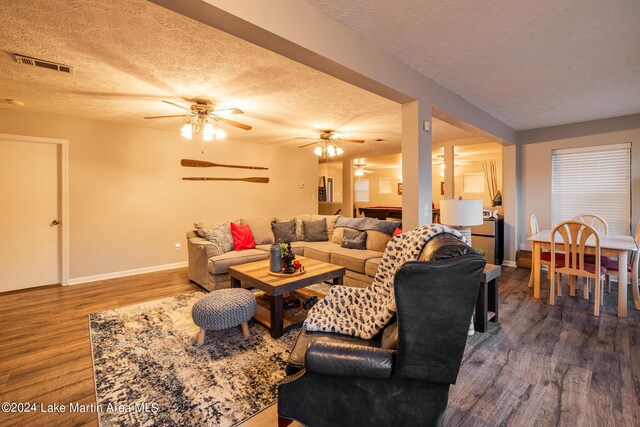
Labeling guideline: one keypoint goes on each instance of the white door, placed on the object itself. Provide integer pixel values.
(29, 210)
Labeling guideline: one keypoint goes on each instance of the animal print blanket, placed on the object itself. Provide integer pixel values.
(363, 312)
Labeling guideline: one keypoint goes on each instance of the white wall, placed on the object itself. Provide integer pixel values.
(128, 204)
(536, 170)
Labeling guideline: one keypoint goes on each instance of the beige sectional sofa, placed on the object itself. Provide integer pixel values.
(210, 270)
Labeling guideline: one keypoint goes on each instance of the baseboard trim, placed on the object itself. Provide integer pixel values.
(125, 273)
(509, 263)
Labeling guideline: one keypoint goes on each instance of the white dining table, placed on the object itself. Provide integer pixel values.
(610, 245)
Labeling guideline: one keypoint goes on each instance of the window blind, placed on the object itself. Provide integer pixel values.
(593, 180)
(361, 190)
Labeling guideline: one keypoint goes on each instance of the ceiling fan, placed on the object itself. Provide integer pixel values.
(201, 112)
(359, 169)
(328, 143)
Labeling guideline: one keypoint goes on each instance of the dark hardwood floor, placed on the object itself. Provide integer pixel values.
(542, 366)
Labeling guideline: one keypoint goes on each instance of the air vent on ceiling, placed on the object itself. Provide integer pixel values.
(27, 60)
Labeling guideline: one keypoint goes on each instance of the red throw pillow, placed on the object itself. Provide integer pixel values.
(396, 232)
(242, 237)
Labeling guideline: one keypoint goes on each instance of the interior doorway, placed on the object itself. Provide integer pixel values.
(33, 226)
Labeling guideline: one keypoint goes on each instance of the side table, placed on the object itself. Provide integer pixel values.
(487, 303)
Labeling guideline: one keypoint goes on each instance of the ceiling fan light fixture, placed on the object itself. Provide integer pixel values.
(339, 151)
(318, 151)
(358, 172)
(331, 150)
(208, 132)
(187, 130)
(220, 134)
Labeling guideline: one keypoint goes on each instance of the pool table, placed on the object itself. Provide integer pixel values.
(382, 212)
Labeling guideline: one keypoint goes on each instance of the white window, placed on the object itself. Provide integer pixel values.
(593, 180)
(384, 185)
(361, 190)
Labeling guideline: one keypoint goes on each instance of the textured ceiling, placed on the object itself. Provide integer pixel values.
(131, 54)
(529, 63)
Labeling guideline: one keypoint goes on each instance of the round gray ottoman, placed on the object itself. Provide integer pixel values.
(222, 309)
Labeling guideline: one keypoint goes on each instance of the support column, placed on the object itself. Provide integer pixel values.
(347, 188)
(511, 200)
(449, 171)
(416, 165)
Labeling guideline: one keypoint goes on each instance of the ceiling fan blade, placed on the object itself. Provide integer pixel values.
(225, 111)
(365, 171)
(357, 141)
(306, 137)
(167, 117)
(232, 123)
(311, 143)
(177, 105)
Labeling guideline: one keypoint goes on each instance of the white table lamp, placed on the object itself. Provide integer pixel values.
(461, 214)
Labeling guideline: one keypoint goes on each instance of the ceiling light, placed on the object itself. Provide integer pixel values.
(339, 151)
(208, 132)
(220, 134)
(358, 172)
(187, 130)
(318, 151)
(331, 150)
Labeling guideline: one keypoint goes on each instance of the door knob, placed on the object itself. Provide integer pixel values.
(54, 222)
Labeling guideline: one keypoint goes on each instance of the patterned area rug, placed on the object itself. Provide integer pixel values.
(149, 372)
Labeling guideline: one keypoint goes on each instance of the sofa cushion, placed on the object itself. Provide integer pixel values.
(315, 231)
(371, 266)
(331, 222)
(220, 264)
(299, 229)
(338, 232)
(242, 237)
(320, 250)
(352, 259)
(261, 230)
(285, 231)
(377, 240)
(354, 239)
(219, 235)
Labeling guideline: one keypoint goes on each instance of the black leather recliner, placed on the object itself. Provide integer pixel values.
(402, 376)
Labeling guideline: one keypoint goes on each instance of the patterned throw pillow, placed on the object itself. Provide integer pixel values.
(299, 230)
(219, 235)
(315, 231)
(285, 232)
(353, 239)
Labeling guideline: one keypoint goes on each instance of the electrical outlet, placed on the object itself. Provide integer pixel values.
(521, 247)
(178, 247)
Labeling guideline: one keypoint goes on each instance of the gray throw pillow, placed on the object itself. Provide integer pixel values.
(285, 232)
(315, 231)
(219, 235)
(353, 239)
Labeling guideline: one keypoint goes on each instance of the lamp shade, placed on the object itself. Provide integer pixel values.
(461, 213)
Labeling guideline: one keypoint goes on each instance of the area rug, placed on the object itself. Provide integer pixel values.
(148, 370)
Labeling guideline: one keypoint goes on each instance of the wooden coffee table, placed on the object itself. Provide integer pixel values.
(270, 311)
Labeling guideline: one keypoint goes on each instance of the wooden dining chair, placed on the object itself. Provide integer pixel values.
(613, 267)
(545, 257)
(601, 225)
(595, 221)
(572, 238)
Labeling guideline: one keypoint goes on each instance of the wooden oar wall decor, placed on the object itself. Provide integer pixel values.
(255, 179)
(204, 164)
